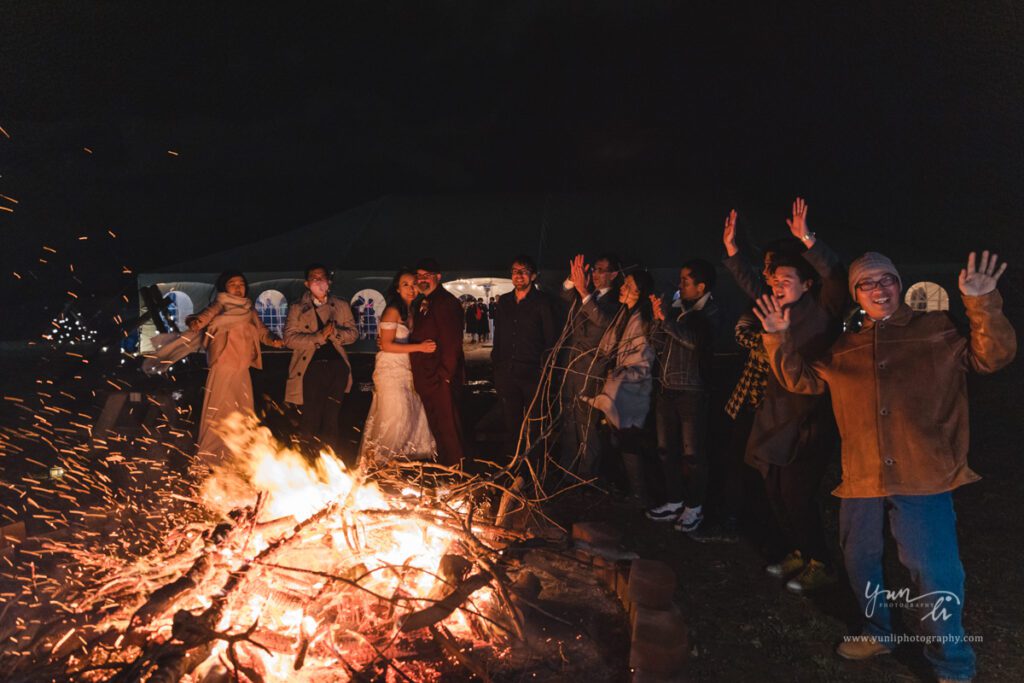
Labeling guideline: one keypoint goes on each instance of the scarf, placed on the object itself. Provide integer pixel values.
(171, 347)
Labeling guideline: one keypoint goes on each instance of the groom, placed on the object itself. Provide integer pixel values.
(438, 376)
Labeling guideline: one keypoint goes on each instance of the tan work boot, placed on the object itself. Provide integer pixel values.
(861, 647)
(814, 577)
(790, 564)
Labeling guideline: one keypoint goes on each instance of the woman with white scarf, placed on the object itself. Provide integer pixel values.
(231, 332)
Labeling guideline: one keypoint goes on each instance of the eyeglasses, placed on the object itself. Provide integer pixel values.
(887, 280)
(522, 271)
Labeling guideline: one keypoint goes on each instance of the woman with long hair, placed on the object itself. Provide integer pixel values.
(396, 425)
(232, 333)
(625, 397)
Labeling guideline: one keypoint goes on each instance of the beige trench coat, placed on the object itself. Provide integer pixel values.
(302, 337)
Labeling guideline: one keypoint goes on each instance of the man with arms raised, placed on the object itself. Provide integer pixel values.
(899, 393)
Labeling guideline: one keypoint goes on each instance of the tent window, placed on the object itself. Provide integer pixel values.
(272, 309)
(927, 296)
(367, 306)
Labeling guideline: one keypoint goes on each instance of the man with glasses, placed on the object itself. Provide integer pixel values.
(524, 333)
(438, 376)
(584, 369)
(319, 326)
(899, 393)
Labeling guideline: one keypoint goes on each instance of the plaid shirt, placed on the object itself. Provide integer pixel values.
(753, 382)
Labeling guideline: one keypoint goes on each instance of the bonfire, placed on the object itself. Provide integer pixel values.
(280, 569)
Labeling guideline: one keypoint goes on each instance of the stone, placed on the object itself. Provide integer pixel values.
(651, 584)
(597, 534)
(622, 582)
(604, 570)
(660, 642)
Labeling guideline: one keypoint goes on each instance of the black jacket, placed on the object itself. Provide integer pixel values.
(524, 333)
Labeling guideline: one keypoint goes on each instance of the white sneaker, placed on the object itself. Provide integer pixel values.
(690, 519)
(666, 513)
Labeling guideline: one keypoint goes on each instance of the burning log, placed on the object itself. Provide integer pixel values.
(162, 598)
(443, 609)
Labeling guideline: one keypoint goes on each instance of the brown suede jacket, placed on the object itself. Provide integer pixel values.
(899, 393)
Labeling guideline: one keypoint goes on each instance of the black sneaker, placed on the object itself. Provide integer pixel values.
(666, 513)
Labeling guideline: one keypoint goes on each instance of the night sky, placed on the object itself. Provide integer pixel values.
(906, 115)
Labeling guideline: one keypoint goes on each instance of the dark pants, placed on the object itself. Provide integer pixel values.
(739, 480)
(793, 495)
(629, 440)
(580, 436)
(323, 388)
(440, 402)
(682, 418)
(516, 391)
(925, 531)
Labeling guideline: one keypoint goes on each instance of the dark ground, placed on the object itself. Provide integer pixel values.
(743, 624)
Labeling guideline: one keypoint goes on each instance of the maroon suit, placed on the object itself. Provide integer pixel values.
(438, 376)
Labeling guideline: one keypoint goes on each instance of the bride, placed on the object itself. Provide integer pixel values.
(397, 425)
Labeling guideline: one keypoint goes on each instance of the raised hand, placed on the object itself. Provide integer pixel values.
(656, 309)
(579, 273)
(773, 317)
(729, 234)
(976, 281)
(798, 223)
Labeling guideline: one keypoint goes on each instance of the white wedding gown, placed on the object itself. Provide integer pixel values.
(396, 425)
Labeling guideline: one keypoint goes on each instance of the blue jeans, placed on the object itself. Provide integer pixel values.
(925, 531)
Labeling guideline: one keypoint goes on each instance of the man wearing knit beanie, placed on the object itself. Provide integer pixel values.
(899, 393)
(871, 265)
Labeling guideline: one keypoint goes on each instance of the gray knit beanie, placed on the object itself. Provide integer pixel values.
(871, 264)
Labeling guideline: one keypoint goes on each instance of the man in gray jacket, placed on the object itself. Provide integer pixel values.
(319, 326)
(585, 369)
(684, 342)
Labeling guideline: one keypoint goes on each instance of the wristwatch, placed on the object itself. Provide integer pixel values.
(808, 235)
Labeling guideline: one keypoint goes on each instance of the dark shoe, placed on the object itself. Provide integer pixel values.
(815, 576)
(723, 532)
(789, 565)
(861, 647)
